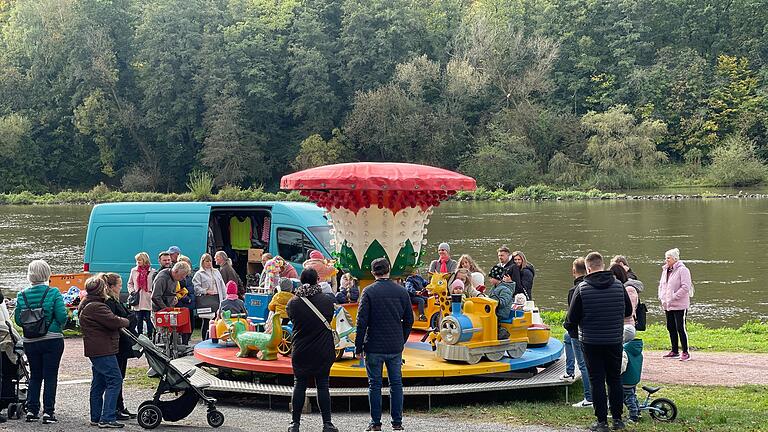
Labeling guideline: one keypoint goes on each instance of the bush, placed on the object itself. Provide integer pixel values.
(200, 185)
(734, 163)
(138, 179)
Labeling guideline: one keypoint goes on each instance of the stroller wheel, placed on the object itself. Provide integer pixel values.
(149, 416)
(215, 418)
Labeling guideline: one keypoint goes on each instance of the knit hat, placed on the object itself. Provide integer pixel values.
(316, 254)
(174, 250)
(231, 290)
(286, 285)
(457, 284)
(95, 286)
(674, 253)
(445, 246)
(497, 272)
(477, 279)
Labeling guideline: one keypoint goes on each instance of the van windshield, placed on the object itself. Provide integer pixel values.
(323, 234)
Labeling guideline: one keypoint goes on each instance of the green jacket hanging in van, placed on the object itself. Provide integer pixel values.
(240, 233)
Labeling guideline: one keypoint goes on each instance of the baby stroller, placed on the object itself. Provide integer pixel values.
(14, 376)
(152, 412)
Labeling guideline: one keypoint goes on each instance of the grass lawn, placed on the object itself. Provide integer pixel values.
(699, 408)
(751, 337)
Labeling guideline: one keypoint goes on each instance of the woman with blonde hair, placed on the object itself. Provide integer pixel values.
(125, 345)
(208, 283)
(140, 292)
(476, 276)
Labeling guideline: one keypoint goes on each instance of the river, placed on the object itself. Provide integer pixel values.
(723, 242)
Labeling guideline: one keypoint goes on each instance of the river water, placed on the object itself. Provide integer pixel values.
(723, 242)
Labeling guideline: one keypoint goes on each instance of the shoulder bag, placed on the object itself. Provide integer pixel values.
(336, 338)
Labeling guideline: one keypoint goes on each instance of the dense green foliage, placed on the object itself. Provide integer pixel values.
(139, 94)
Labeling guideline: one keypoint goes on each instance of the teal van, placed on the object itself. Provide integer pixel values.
(118, 231)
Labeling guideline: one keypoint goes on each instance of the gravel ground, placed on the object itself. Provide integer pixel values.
(72, 412)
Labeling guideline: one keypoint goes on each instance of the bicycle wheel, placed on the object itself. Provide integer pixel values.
(663, 409)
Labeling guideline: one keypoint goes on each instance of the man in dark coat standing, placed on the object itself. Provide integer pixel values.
(384, 321)
(596, 318)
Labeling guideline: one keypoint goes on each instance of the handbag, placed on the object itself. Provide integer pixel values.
(133, 298)
(640, 316)
(336, 338)
(207, 304)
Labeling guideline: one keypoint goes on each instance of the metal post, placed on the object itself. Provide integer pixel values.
(429, 402)
(566, 394)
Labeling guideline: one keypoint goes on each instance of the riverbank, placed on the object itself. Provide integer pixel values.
(102, 194)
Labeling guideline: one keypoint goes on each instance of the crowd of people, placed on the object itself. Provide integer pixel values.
(602, 323)
(600, 340)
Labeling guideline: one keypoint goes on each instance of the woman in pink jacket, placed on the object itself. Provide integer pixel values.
(674, 294)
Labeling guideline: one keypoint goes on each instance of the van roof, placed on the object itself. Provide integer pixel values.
(309, 213)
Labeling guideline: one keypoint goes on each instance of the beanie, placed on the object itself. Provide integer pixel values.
(457, 284)
(286, 285)
(497, 272)
(477, 279)
(445, 246)
(231, 290)
(316, 254)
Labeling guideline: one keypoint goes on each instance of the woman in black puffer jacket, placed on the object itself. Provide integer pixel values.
(313, 350)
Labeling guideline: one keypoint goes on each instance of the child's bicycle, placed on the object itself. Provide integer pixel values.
(661, 409)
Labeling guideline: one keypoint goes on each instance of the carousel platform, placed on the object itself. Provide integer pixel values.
(483, 377)
(420, 361)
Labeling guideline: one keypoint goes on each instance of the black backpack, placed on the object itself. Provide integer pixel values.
(33, 319)
(640, 316)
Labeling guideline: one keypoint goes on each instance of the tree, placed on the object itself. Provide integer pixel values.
(501, 161)
(315, 151)
(619, 144)
(734, 163)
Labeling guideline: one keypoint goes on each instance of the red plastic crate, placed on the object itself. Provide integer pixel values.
(177, 318)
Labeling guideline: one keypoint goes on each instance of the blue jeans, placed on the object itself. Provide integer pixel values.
(574, 351)
(44, 357)
(106, 386)
(630, 401)
(374, 365)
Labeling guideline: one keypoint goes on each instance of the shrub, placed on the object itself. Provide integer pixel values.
(138, 179)
(734, 163)
(200, 185)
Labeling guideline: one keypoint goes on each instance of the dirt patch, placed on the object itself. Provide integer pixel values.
(728, 369)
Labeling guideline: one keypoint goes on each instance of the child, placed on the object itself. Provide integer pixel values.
(501, 290)
(414, 284)
(633, 349)
(232, 303)
(457, 287)
(280, 300)
(348, 291)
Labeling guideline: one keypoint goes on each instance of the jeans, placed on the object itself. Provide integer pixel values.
(143, 316)
(604, 364)
(630, 400)
(44, 357)
(575, 351)
(676, 327)
(106, 385)
(300, 393)
(419, 302)
(374, 365)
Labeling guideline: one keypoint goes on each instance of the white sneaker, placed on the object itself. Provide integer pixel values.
(582, 404)
(567, 377)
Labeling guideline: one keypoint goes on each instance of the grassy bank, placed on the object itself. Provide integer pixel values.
(751, 337)
(102, 194)
(710, 408)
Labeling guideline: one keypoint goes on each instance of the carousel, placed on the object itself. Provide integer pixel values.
(382, 210)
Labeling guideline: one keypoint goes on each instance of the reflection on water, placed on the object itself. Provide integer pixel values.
(723, 242)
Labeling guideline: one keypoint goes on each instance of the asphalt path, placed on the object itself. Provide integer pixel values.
(72, 413)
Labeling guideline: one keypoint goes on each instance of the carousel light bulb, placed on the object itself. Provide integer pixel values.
(403, 223)
(426, 221)
(366, 234)
(424, 242)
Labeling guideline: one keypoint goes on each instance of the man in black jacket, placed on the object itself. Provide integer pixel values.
(506, 261)
(596, 317)
(384, 321)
